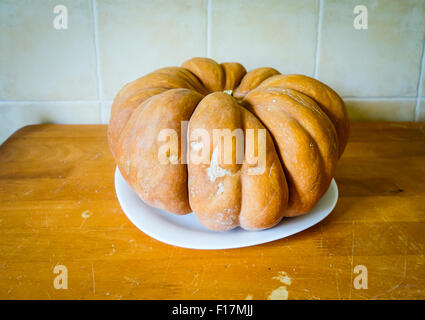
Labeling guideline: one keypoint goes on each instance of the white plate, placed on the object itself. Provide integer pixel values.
(187, 232)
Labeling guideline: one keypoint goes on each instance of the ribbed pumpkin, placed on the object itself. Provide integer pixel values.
(306, 127)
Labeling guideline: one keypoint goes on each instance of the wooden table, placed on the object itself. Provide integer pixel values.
(58, 207)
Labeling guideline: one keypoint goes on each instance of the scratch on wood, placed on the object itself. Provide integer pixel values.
(85, 214)
(387, 291)
(352, 255)
(201, 278)
(132, 280)
(168, 264)
(396, 286)
(405, 267)
(195, 278)
(195, 291)
(337, 286)
(94, 282)
(112, 250)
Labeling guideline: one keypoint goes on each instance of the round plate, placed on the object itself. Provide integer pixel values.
(187, 232)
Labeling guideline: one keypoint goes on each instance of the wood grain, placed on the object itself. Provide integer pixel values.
(51, 174)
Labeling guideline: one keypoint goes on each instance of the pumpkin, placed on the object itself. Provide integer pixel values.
(297, 123)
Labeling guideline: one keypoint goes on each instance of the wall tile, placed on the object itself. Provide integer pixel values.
(421, 110)
(137, 37)
(15, 115)
(39, 62)
(106, 111)
(383, 60)
(275, 33)
(381, 109)
(358, 110)
(422, 85)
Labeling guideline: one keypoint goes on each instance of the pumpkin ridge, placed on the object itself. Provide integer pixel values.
(219, 213)
(252, 80)
(146, 123)
(312, 108)
(209, 72)
(325, 97)
(292, 118)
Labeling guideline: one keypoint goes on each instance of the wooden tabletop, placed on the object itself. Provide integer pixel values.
(58, 208)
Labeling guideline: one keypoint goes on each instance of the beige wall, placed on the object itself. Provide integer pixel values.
(71, 76)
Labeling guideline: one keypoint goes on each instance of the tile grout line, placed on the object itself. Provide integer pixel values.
(371, 98)
(208, 35)
(421, 74)
(318, 38)
(53, 101)
(96, 49)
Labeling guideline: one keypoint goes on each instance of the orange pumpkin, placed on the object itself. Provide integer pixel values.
(305, 128)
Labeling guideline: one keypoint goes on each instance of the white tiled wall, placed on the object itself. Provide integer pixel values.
(136, 37)
(38, 62)
(71, 76)
(383, 60)
(16, 115)
(277, 33)
(384, 109)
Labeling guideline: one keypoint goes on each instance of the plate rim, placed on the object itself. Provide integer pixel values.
(119, 179)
